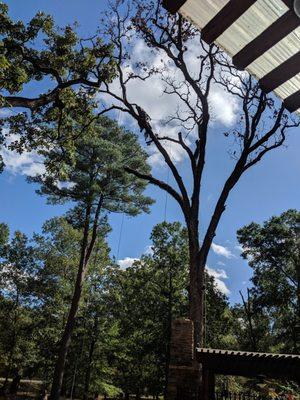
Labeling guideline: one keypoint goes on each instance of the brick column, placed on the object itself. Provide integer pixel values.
(184, 372)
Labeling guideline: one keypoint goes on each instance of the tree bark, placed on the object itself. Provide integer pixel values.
(90, 360)
(297, 335)
(248, 313)
(69, 327)
(196, 281)
(169, 332)
(14, 386)
(66, 338)
(86, 251)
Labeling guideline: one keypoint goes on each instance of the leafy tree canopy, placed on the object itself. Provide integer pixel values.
(273, 251)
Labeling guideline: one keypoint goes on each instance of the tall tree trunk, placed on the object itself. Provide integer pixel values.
(169, 332)
(86, 251)
(297, 335)
(69, 326)
(196, 282)
(90, 360)
(5, 383)
(249, 313)
(66, 338)
(14, 386)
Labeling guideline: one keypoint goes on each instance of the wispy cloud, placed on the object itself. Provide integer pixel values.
(148, 250)
(26, 163)
(239, 248)
(152, 97)
(219, 275)
(221, 263)
(222, 251)
(127, 262)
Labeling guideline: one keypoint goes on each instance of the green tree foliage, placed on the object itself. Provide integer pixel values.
(273, 251)
(58, 250)
(63, 68)
(18, 303)
(121, 334)
(93, 177)
(169, 37)
(36, 290)
(252, 326)
(37, 50)
(145, 299)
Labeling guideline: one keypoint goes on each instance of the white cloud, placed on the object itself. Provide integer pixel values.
(4, 113)
(222, 251)
(29, 164)
(149, 250)
(239, 248)
(221, 263)
(224, 107)
(150, 95)
(127, 262)
(26, 163)
(218, 275)
(65, 185)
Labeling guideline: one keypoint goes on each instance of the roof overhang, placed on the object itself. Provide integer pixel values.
(249, 364)
(261, 36)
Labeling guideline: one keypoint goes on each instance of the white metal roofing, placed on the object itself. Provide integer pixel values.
(252, 23)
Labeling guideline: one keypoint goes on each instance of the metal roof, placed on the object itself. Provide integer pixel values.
(242, 363)
(262, 36)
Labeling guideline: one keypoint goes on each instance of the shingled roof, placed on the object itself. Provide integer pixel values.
(262, 36)
(242, 363)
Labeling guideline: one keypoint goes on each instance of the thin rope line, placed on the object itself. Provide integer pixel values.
(120, 236)
(122, 222)
(166, 197)
(168, 179)
(205, 308)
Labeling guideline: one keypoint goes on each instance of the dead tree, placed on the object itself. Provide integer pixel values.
(261, 127)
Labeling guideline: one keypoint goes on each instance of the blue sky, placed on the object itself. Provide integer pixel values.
(268, 189)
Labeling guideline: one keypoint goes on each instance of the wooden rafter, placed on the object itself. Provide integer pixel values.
(292, 103)
(224, 19)
(282, 27)
(263, 43)
(228, 362)
(174, 5)
(281, 74)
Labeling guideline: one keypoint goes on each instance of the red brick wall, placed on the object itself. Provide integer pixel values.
(184, 373)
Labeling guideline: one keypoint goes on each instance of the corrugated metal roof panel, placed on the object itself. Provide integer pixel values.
(260, 16)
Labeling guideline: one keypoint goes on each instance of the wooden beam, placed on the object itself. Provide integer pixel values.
(224, 19)
(208, 384)
(267, 39)
(292, 103)
(281, 74)
(289, 3)
(173, 5)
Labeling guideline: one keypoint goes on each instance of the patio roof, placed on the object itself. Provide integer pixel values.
(249, 364)
(261, 36)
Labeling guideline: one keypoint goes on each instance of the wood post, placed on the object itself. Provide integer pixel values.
(208, 384)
